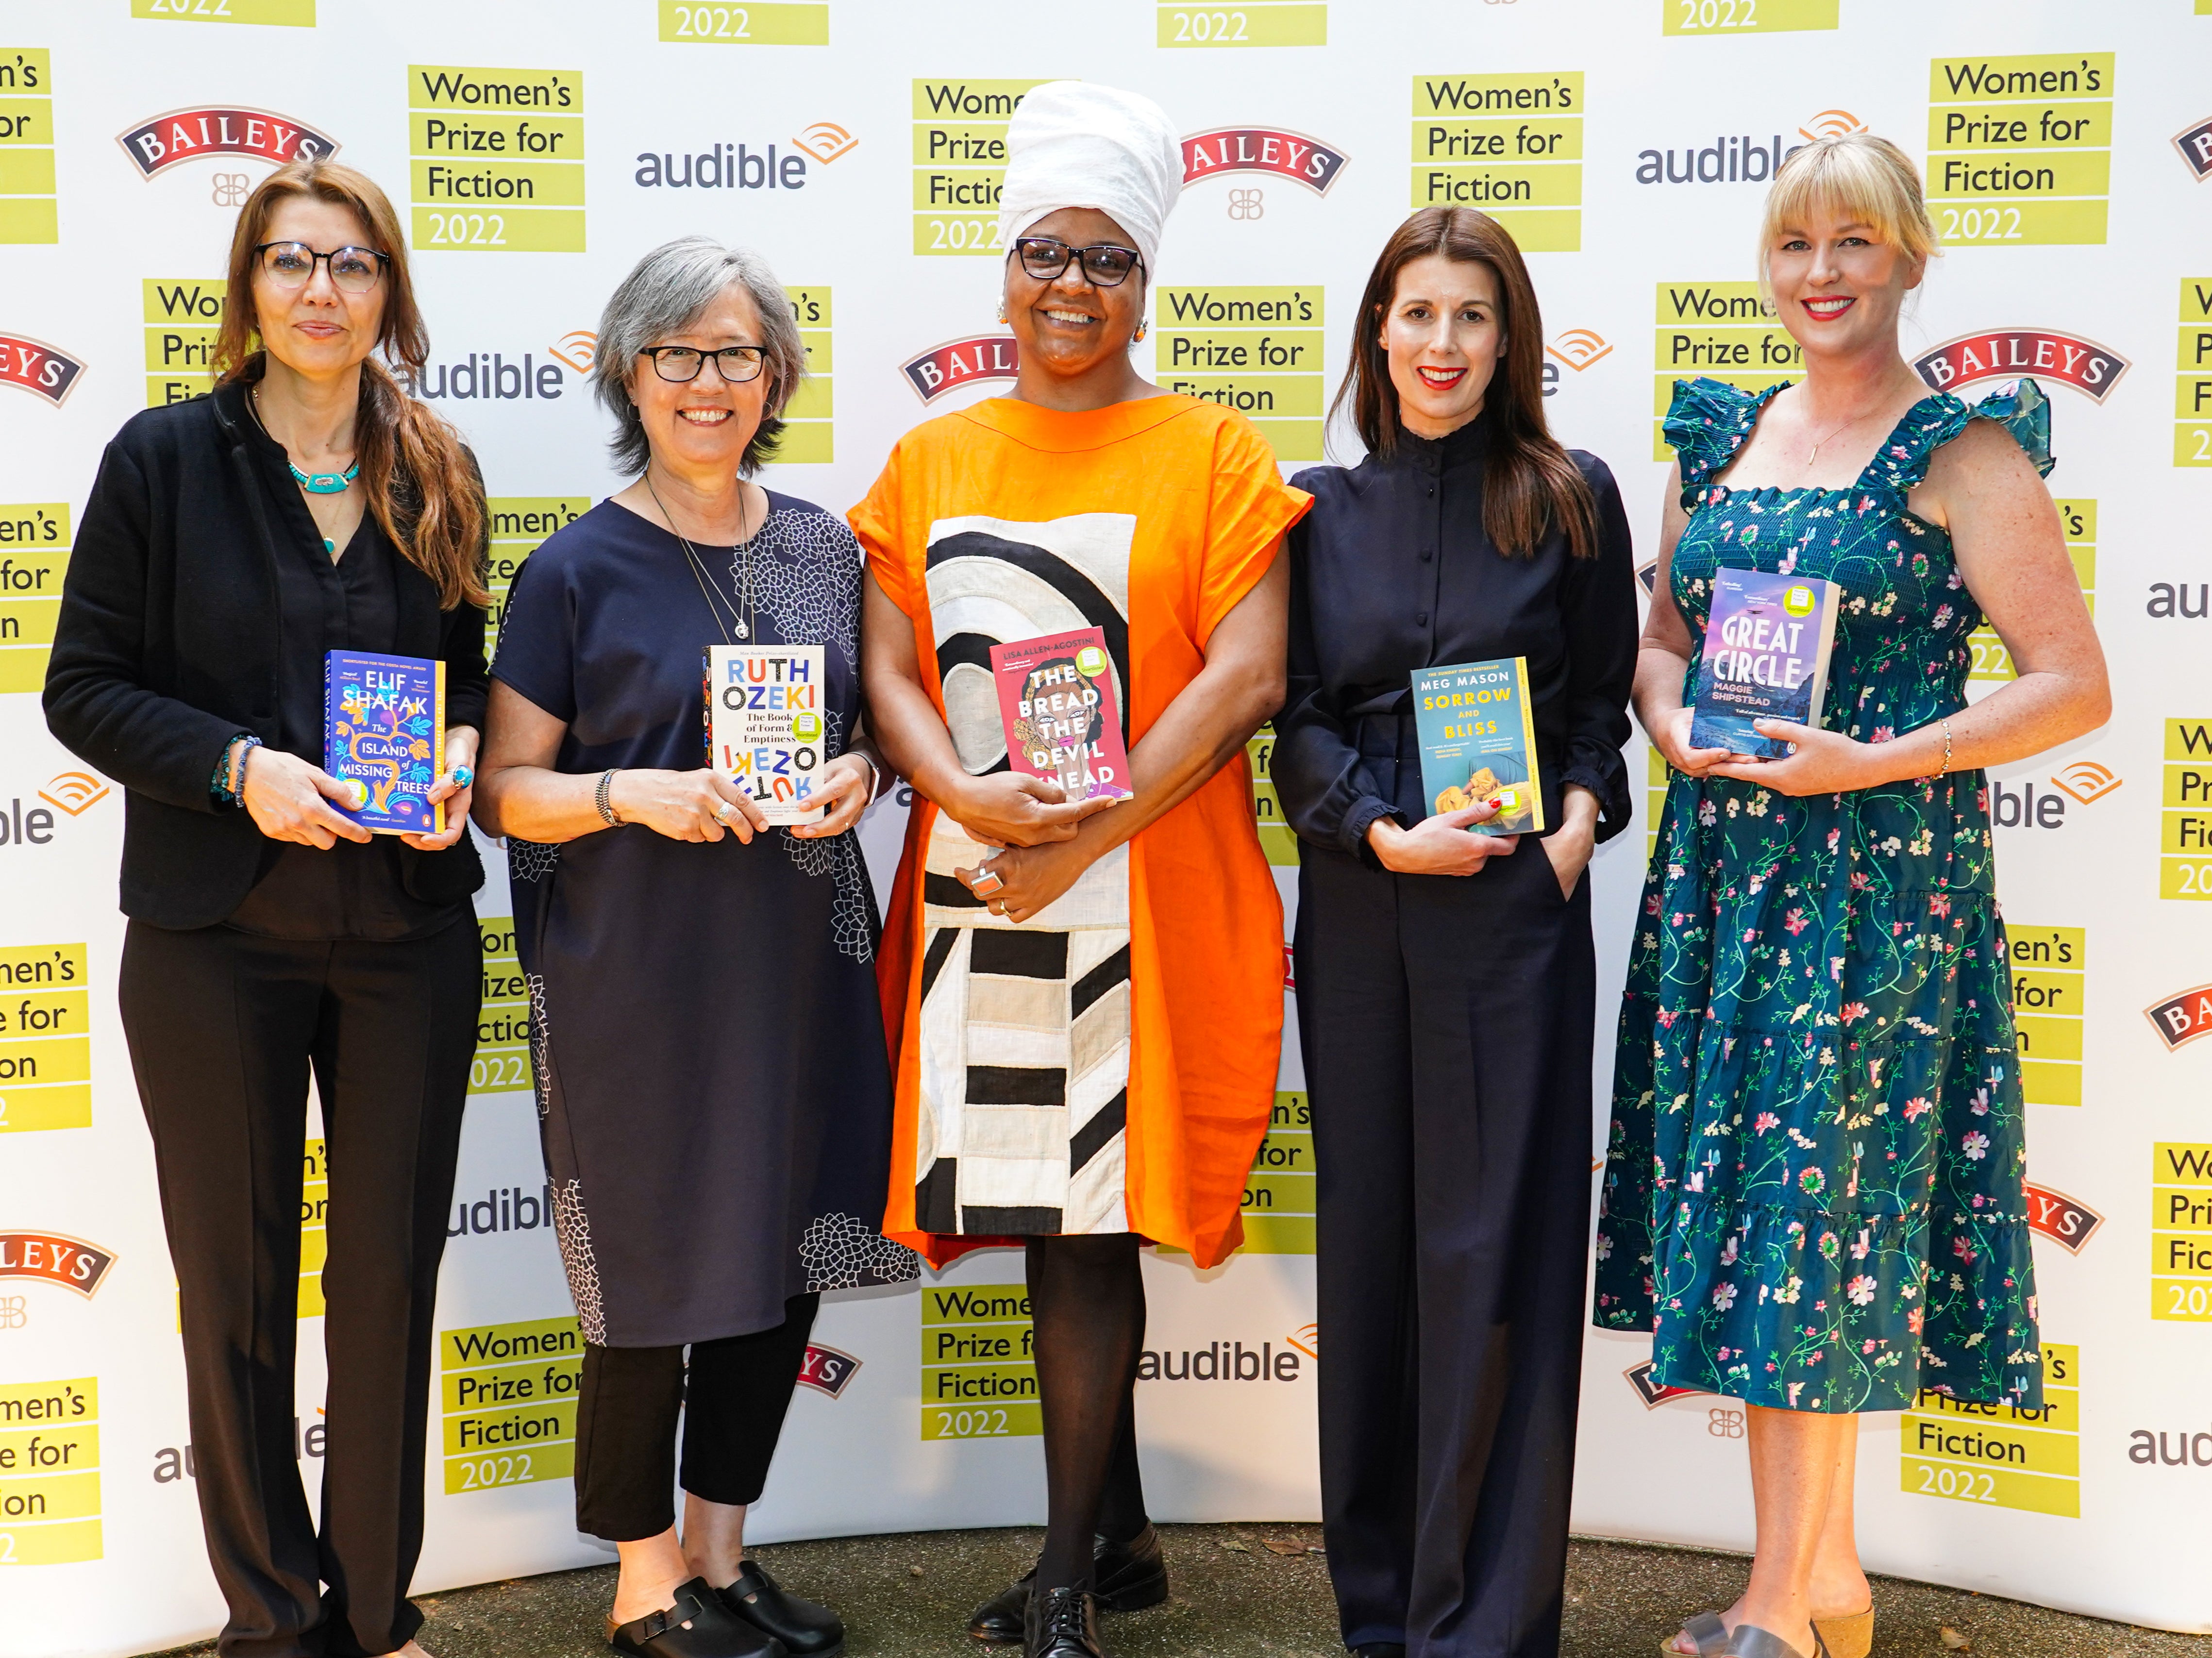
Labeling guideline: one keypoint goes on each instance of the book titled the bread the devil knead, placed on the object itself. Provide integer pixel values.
(1477, 734)
(384, 731)
(1063, 721)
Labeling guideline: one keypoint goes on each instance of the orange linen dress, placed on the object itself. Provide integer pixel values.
(1107, 1066)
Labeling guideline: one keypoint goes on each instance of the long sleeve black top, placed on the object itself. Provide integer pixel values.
(174, 636)
(1392, 572)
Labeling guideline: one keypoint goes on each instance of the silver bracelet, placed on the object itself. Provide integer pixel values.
(603, 797)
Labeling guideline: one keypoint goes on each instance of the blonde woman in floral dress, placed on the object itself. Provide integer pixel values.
(1813, 1197)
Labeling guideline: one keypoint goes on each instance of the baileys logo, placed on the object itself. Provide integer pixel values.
(56, 1258)
(2010, 353)
(1292, 155)
(47, 370)
(159, 144)
(2067, 1222)
(2181, 1019)
(955, 362)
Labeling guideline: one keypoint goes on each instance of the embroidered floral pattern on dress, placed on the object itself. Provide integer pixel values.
(541, 1074)
(531, 860)
(804, 570)
(573, 1228)
(840, 1251)
(1813, 1192)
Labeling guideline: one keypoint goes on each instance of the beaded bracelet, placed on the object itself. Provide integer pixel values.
(1946, 751)
(603, 797)
(219, 787)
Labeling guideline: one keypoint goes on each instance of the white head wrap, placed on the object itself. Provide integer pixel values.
(1075, 143)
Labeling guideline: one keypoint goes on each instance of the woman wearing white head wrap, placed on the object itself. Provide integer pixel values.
(1086, 1004)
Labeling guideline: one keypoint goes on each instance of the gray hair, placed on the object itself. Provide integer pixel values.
(666, 292)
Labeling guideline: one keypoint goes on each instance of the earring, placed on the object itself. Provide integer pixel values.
(1143, 328)
(1002, 307)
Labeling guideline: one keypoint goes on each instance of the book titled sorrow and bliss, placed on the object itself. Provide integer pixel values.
(1063, 722)
(384, 731)
(764, 726)
(1477, 730)
(1767, 643)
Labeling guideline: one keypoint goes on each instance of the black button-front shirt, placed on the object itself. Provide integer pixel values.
(349, 604)
(1392, 572)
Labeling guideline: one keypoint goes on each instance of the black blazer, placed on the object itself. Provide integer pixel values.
(167, 648)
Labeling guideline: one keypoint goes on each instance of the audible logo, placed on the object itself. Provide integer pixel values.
(35, 552)
(46, 1041)
(2181, 1233)
(771, 25)
(507, 1397)
(2008, 353)
(29, 212)
(164, 140)
(722, 167)
(978, 1375)
(44, 370)
(487, 374)
(1220, 1361)
(2003, 1455)
(50, 1472)
(498, 159)
(2077, 521)
(2019, 149)
(1509, 144)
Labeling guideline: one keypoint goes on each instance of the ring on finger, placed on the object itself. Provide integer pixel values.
(982, 890)
(722, 814)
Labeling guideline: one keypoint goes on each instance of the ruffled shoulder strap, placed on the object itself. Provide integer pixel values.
(2020, 408)
(1707, 423)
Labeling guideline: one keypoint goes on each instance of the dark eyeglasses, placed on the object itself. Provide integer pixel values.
(1104, 264)
(292, 265)
(682, 363)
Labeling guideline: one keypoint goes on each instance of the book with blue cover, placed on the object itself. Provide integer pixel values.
(1477, 730)
(1768, 639)
(384, 731)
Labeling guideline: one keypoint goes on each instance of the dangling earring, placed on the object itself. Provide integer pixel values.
(1002, 307)
(1143, 328)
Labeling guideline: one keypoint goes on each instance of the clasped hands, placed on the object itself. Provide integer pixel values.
(1032, 822)
(700, 805)
(289, 798)
(1820, 762)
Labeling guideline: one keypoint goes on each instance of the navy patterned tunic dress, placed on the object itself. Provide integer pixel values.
(1812, 1195)
(705, 1034)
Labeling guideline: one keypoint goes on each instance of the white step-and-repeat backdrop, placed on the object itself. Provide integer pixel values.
(537, 150)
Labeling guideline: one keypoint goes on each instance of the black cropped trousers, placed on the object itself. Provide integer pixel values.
(1446, 1025)
(223, 1027)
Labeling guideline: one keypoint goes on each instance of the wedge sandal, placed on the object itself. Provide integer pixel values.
(1705, 1629)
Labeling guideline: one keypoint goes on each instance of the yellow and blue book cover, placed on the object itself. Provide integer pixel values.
(1478, 737)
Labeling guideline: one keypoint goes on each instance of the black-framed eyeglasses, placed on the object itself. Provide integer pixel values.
(292, 265)
(1104, 264)
(736, 364)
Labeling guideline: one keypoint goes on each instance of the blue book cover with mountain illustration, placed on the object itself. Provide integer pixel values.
(384, 729)
(1477, 734)
(1768, 639)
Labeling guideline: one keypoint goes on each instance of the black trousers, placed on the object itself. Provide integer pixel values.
(1446, 1027)
(733, 1402)
(223, 1027)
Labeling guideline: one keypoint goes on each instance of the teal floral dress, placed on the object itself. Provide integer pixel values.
(1813, 1193)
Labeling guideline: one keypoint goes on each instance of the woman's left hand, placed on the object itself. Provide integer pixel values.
(1823, 761)
(1569, 847)
(1033, 876)
(460, 761)
(846, 783)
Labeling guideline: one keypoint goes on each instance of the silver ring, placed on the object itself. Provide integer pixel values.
(722, 814)
(992, 876)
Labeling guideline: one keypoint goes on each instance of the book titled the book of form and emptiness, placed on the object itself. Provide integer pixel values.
(384, 731)
(1767, 643)
(1063, 721)
(1477, 736)
(765, 725)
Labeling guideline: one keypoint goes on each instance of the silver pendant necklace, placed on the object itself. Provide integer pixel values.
(741, 626)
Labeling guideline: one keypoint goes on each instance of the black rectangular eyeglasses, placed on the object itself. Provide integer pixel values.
(1104, 264)
(682, 363)
(292, 265)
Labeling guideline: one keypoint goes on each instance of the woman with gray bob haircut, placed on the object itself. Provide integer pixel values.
(712, 1092)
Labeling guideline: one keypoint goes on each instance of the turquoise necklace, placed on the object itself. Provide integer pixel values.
(325, 483)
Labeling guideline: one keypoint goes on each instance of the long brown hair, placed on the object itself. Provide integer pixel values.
(1530, 483)
(418, 480)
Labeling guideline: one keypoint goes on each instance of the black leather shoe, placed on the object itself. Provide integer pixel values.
(697, 1626)
(1125, 1576)
(1062, 1624)
(806, 1629)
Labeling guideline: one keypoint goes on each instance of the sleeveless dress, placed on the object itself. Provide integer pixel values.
(1813, 1192)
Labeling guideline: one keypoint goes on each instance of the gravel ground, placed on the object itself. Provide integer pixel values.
(1245, 1592)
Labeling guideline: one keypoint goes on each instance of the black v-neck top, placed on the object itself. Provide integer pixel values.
(1391, 572)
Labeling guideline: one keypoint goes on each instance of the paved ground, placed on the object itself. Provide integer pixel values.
(1246, 1592)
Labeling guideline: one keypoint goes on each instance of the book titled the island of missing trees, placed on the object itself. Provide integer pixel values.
(765, 726)
(384, 731)
(1477, 736)
(1062, 720)
(1767, 643)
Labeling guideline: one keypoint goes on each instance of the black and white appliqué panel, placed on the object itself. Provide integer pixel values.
(1025, 1030)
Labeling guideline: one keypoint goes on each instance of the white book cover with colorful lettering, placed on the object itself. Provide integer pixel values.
(765, 725)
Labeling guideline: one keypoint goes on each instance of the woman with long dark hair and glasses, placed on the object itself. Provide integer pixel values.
(1446, 980)
(308, 505)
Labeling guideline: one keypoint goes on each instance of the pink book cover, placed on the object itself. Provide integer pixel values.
(1062, 719)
